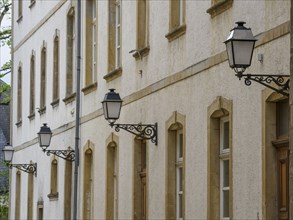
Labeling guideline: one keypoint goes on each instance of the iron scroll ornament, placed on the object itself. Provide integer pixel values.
(28, 168)
(144, 131)
(68, 155)
(282, 81)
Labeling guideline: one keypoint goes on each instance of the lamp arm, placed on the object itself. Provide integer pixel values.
(68, 155)
(28, 168)
(282, 81)
(144, 131)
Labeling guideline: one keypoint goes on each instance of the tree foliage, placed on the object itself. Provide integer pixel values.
(5, 39)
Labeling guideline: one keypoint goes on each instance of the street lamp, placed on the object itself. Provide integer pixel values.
(240, 45)
(45, 135)
(8, 152)
(112, 106)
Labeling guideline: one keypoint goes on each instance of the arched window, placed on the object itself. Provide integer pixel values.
(54, 180)
(43, 80)
(88, 184)
(112, 178)
(220, 192)
(19, 95)
(70, 52)
(17, 195)
(30, 196)
(139, 179)
(32, 85)
(56, 68)
(91, 43)
(175, 188)
(67, 189)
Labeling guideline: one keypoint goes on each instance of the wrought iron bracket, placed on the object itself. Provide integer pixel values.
(68, 155)
(144, 131)
(28, 168)
(282, 81)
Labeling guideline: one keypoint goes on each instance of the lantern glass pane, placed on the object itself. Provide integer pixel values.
(243, 53)
(105, 110)
(230, 53)
(113, 110)
(8, 153)
(45, 139)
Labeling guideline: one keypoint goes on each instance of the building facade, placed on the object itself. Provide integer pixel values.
(223, 148)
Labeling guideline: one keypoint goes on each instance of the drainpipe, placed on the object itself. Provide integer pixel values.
(77, 116)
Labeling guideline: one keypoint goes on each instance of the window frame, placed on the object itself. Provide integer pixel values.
(224, 156)
(179, 178)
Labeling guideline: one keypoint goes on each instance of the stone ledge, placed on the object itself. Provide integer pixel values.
(113, 74)
(53, 196)
(55, 103)
(19, 123)
(219, 7)
(69, 99)
(142, 52)
(32, 3)
(31, 116)
(90, 88)
(42, 110)
(174, 34)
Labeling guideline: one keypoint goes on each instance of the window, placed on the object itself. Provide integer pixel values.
(54, 180)
(142, 29)
(91, 43)
(179, 174)
(282, 146)
(30, 197)
(140, 178)
(67, 189)
(20, 6)
(177, 25)
(19, 96)
(70, 54)
(112, 181)
(114, 41)
(175, 187)
(32, 86)
(88, 185)
(56, 69)
(17, 195)
(43, 80)
(40, 206)
(219, 160)
(224, 167)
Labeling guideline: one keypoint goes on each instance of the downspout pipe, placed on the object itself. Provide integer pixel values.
(77, 116)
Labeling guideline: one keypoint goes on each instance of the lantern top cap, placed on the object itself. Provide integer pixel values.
(8, 147)
(112, 96)
(241, 33)
(45, 129)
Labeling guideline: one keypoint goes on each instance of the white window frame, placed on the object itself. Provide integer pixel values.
(224, 156)
(179, 165)
(117, 33)
(94, 46)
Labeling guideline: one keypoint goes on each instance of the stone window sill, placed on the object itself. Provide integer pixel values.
(32, 4)
(176, 33)
(113, 74)
(42, 110)
(55, 103)
(19, 123)
(19, 19)
(90, 88)
(69, 99)
(53, 196)
(31, 116)
(142, 52)
(219, 7)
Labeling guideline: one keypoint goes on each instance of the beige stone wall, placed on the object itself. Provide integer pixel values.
(185, 75)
